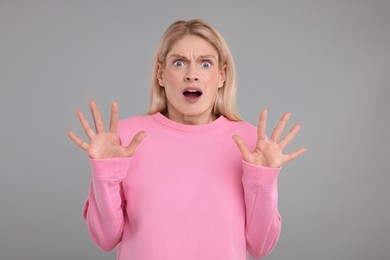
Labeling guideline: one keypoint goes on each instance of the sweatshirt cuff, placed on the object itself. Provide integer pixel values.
(257, 175)
(113, 169)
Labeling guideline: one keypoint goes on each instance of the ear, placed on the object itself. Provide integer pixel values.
(222, 76)
(160, 74)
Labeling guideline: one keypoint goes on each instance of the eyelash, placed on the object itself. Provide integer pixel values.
(209, 63)
(175, 63)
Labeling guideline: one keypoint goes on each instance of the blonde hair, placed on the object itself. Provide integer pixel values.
(225, 103)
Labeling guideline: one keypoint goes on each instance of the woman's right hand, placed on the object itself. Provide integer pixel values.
(104, 145)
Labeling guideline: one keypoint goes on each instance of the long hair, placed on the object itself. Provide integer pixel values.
(225, 103)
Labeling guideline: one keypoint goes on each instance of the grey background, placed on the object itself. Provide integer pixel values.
(327, 62)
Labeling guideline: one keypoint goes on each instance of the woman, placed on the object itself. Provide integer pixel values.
(190, 180)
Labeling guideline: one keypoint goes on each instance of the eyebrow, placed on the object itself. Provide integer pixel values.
(201, 57)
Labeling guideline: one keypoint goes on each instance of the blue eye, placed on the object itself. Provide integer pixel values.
(178, 63)
(206, 64)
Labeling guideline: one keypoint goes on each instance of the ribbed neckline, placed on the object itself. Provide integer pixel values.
(172, 125)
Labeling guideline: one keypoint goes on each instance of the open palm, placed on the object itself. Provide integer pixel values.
(269, 152)
(103, 144)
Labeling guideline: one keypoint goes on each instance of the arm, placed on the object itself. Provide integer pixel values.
(110, 160)
(104, 209)
(260, 169)
(263, 222)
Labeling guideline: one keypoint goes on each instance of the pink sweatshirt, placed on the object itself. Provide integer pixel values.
(186, 193)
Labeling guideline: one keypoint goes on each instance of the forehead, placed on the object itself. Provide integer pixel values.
(192, 45)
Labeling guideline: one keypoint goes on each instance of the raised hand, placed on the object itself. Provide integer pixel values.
(269, 152)
(103, 145)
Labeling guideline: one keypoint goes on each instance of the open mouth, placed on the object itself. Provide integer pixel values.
(192, 93)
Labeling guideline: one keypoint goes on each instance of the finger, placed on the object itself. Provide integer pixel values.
(295, 154)
(114, 118)
(97, 118)
(280, 127)
(80, 143)
(261, 127)
(135, 142)
(84, 123)
(290, 135)
(242, 146)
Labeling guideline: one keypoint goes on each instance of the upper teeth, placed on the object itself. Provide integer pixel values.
(192, 90)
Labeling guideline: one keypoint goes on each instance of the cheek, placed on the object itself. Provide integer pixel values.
(172, 76)
(212, 78)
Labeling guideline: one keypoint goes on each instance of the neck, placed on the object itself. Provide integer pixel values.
(191, 120)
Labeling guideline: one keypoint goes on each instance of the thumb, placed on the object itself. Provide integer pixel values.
(135, 142)
(241, 145)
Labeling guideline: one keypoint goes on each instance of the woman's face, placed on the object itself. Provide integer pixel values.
(191, 78)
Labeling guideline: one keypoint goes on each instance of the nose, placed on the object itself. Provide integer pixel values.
(191, 75)
(191, 78)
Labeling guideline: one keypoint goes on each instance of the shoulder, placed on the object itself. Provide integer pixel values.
(242, 127)
(131, 121)
(130, 126)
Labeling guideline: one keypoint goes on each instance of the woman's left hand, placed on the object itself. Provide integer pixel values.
(269, 152)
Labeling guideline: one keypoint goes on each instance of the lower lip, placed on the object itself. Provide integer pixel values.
(192, 99)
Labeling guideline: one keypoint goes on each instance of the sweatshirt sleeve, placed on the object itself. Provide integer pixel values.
(104, 208)
(263, 221)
